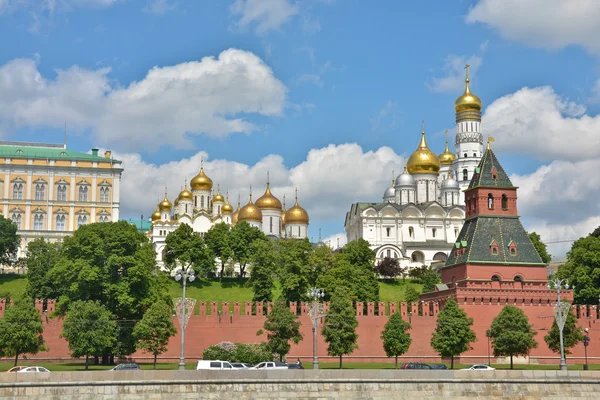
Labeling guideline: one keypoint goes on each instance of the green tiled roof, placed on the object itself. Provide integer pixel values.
(42, 151)
(142, 225)
(477, 234)
(483, 173)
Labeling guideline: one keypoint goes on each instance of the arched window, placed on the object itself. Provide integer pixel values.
(411, 232)
(496, 278)
(465, 175)
(38, 222)
(186, 208)
(83, 193)
(466, 155)
(40, 191)
(195, 201)
(388, 253)
(82, 220)
(433, 232)
(504, 202)
(18, 191)
(61, 193)
(201, 201)
(298, 231)
(270, 224)
(60, 222)
(219, 210)
(474, 154)
(490, 201)
(17, 219)
(104, 195)
(518, 278)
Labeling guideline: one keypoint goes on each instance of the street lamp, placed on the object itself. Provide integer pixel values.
(181, 304)
(558, 284)
(487, 333)
(586, 343)
(315, 313)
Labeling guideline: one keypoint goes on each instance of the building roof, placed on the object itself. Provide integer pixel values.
(142, 225)
(45, 151)
(421, 206)
(483, 173)
(479, 233)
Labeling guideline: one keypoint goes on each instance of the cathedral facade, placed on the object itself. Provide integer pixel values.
(422, 213)
(202, 209)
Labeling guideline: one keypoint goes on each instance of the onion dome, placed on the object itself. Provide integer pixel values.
(201, 181)
(185, 194)
(423, 160)
(234, 216)
(176, 202)
(155, 215)
(447, 157)
(405, 179)
(467, 101)
(267, 201)
(165, 205)
(450, 183)
(218, 197)
(227, 208)
(390, 192)
(296, 214)
(250, 212)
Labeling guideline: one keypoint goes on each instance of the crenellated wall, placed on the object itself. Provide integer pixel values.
(214, 322)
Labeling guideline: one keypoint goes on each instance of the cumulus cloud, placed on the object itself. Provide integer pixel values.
(336, 240)
(170, 104)
(263, 15)
(539, 123)
(325, 187)
(454, 72)
(551, 24)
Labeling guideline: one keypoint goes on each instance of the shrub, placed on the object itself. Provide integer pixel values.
(238, 352)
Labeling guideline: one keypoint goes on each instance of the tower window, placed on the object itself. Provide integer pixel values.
(490, 201)
(496, 278)
(433, 231)
(504, 202)
(411, 232)
(466, 155)
(388, 231)
(474, 154)
(465, 174)
(271, 224)
(201, 201)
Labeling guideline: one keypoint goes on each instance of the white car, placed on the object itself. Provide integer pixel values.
(479, 367)
(213, 364)
(270, 365)
(33, 369)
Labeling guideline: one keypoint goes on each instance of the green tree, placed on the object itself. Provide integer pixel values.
(282, 327)
(90, 329)
(9, 241)
(396, 339)
(453, 334)
(388, 268)
(21, 330)
(339, 330)
(411, 295)
(155, 329)
(263, 269)
(217, 240)
(511, 334)
(429, 278)
(185, 249)
(293, 266)
(582, 269)
(41, 257)
(361, 282)
(320, 262)
(114, 264)
(540, 247)
(242, 235)
(572, 334)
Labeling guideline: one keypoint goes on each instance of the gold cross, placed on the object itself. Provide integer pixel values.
(467, 69)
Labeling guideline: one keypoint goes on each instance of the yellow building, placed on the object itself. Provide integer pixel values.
(49, 191)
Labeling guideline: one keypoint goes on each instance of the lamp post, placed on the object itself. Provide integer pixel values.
(185, 275)
(316, 294)
(487, 333)
(558, 284)
(586, 343)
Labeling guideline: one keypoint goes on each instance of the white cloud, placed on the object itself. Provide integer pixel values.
(325, 187)
(454, 72)
(264, 15)
(539, 123)
(336, 240)
(386, 118)
(159, 6)
(169, 105)
(551, 24)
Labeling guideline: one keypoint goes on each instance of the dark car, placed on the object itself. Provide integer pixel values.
(122, 367)
(415, 365)
(438, 366)
(295, 366)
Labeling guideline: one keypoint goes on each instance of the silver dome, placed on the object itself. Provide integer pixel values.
(450, 183)
(405, 179)
(389, 194)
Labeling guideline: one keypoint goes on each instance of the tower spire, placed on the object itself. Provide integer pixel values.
(250, 193)
(393, 175)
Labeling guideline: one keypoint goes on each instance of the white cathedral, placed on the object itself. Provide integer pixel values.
(423, 211)
(201, 209)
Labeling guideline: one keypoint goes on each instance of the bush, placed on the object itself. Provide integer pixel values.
(239, 352)
(222, 351)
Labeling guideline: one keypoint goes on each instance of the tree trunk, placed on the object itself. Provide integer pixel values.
(340, 361)
(155, 355)
(87, 360)
(16, 359)
(222, 269)
(451, 362)
(511, 362)
(396, 362)
(96, 360)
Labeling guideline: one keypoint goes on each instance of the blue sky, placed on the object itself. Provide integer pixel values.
(327, 95)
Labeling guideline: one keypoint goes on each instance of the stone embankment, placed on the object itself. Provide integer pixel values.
(298, 384)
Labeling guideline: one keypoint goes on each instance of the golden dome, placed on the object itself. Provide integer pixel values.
(296, 214)
(176, 202)
(267, 201)
(423, 160)
(155, 216)
(186, 194)
(165, 205)
(250, 212)
(467, 101)
(201, 181)
(447, 157)
(218, 197)
(227, 209)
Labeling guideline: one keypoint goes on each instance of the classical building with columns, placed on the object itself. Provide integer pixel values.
(423, 210)
(49, 190)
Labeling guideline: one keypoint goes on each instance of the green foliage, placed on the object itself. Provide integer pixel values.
(222, 351)
(340, 325)
(263, 270)
(429, 279)
(388, 268)
(572, 334)
(282, 327)
(540, 247)
(90, 329)
(114, 264)
(9, 241)
(396, 339)
(320, 262)
(582, 269)
(411, 295)
(238, 352)
(293, 261)
(218, 241)
(21, 330)
(242, 235)
(154, 330)
(41, 257)
(185, 248)
(359, 253)
(511, 334)
(453, 334)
